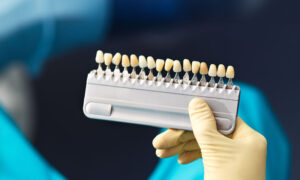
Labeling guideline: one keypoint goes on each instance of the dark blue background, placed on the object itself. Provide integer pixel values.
(263, 45)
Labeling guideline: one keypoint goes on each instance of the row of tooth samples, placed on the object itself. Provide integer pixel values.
(195, 67)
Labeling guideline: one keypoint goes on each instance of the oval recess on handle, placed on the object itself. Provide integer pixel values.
(98, 109)
(223, 123)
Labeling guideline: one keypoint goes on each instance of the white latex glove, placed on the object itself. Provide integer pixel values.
(238, 156)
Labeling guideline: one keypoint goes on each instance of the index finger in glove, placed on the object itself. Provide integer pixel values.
(171, 138)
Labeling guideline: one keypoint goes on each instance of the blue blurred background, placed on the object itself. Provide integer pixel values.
(47, 47)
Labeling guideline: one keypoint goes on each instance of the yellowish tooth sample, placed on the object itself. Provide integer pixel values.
(151, 62)
(107, 58)
(99, 57)
(159, 65)
(177, 66)
(212, 70)
(125, 61)
(203, 68)
(116, 59)
(142, 61)
(134, 62)
(125, 64)
(221, 70)
(151, 65)
(168, 65)
(230, 72)
(221, 73)
(187, 65)
(195, 69)
(195, 66)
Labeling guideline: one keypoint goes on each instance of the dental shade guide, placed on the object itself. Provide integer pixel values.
(156, 100)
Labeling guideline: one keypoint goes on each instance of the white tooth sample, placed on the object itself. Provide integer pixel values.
(116, 59)
(107, 59)
(195, 69)
(203, 71)
(177, 69)
(203, 68)
(195, 66)
(177, 66)
(230, 72)
(212, 72)
(159, 67)
(125, 61)
(230, 76)
(187, 65)
(151, 65)
(151, 62)
(221, 73)
(142, 64)
(125, 64)
(142, 61)
(107, 62)
(99, 57)
(168, 66)
(134, 62)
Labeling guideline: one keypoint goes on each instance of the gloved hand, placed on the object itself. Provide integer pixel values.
(238, 156)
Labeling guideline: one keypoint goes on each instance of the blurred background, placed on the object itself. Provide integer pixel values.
(48, 47)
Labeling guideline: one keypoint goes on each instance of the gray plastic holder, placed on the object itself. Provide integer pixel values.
(153, 103)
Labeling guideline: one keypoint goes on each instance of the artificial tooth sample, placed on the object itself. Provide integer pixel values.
(151, 65)
(230, 76)
(159, 67)
(107, 62)
(99, 59)
(143, 64)
(134, 62)
(177, 69)
(203, 72)
(195, 69)
(221, 75)
(116, 61)
(187, 67)
(168, 66)
(125, 64)
(212, 72)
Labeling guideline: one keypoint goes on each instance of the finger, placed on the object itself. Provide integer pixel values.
(203, 121)
(167, 139)
(188, 146)
(186, 136)
(165, 153)
(189, 156)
